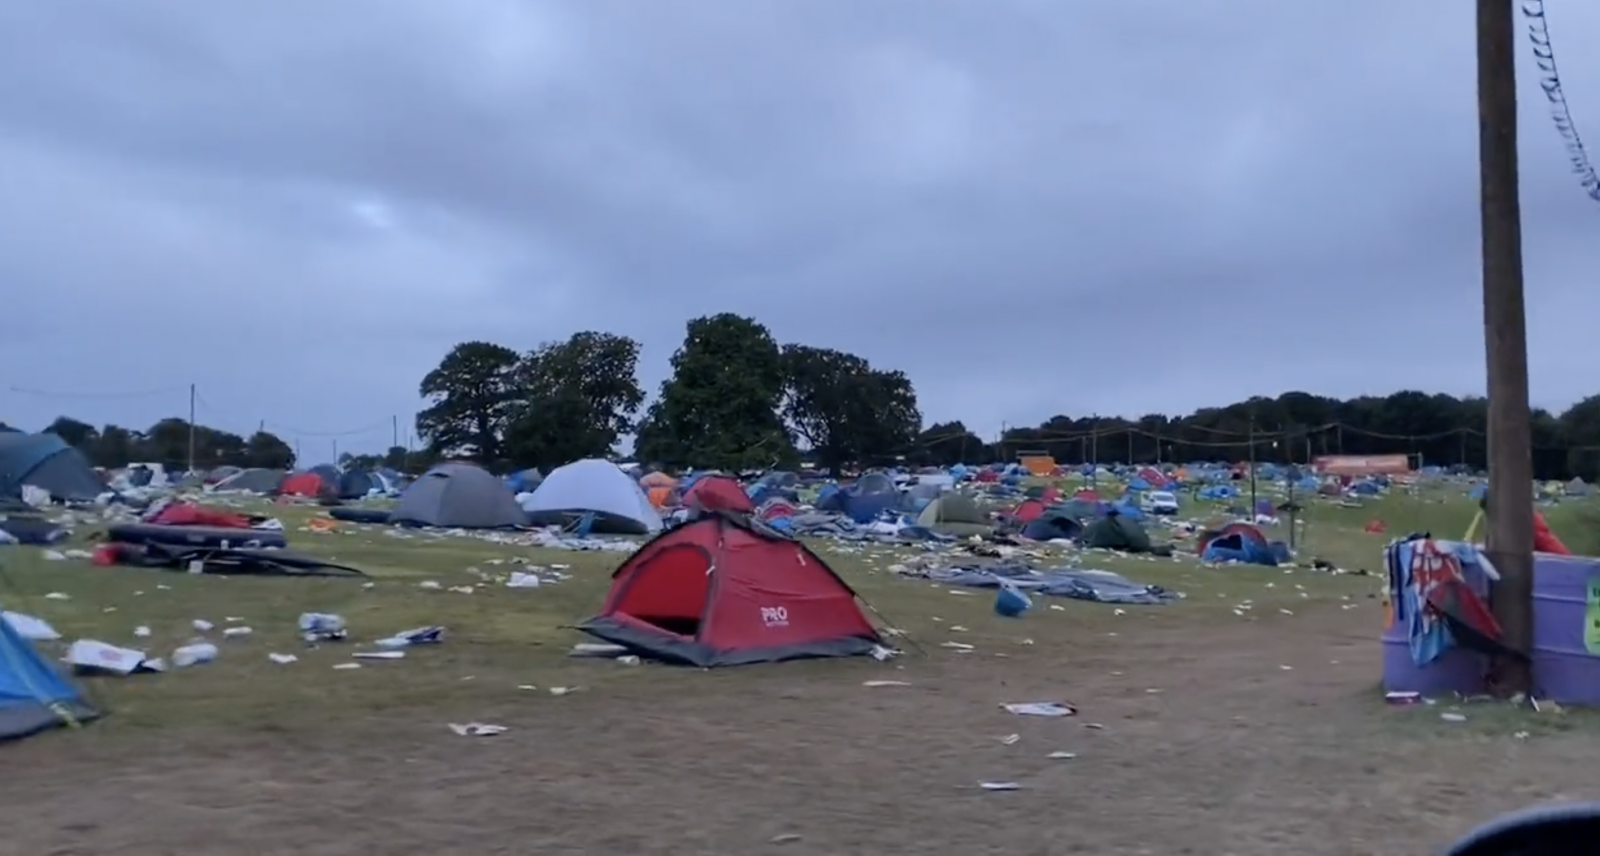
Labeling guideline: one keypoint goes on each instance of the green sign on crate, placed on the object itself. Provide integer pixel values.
(1591, 616)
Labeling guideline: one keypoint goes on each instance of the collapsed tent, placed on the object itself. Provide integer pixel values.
(718, 493)
(34, 696)
(45, 461)
(593, 487)
(458, 496)
(955, 514)
(723, 591)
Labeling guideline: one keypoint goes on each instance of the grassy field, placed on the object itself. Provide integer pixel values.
(507, 642)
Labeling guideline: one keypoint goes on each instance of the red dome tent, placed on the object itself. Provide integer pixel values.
(722, 591)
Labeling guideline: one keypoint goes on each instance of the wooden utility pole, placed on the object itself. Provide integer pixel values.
(1510, 505)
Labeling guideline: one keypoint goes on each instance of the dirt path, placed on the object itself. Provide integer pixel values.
(1209, 746)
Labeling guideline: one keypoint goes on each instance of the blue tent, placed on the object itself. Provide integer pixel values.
(34, 697)
(46, 461)
(863, 501)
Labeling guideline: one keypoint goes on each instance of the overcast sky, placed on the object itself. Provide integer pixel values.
(1030, 206)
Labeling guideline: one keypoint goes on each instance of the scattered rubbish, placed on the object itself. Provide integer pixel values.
(236, 632)
(785, 838)
(88, 655)
(203, 625)
(417, 636)
(1061, 756)
(559, 691)
(1010, 739)
(29, 627)
(379, 655)
(55, 595)
(1402, 698)
(141, 631)
(194, 654)
(282, 659)
(476, 729)
(1453, 717)
(957, 646)
(1000, 786)
(347, 665)
(322, 627)
(886, 683)
(1040, 708)
(523, 579)
(629, 660)
(603, 650)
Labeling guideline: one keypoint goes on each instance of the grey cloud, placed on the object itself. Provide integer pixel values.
(1031, 206)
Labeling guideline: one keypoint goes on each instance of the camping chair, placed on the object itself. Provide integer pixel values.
(581, 527)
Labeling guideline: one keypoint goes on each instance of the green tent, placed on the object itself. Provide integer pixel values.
(955, 514)
(1116, 532)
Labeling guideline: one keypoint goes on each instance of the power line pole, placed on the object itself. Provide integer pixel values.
(1252, 434)
(394, 429)
(1094, 453)
(1510, 502)
(191, 426)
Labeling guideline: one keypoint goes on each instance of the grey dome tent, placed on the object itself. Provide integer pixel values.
(459, 496)
(45, 461)
(254, 480)
(955, 514)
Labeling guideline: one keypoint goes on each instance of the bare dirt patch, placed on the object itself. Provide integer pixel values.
(1209, 746)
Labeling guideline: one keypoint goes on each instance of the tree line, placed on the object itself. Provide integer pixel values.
(737, 399)
(167, 443)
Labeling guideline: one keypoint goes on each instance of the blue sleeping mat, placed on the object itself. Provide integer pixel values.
(195, 536)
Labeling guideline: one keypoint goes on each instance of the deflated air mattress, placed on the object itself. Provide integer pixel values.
(194, 536)
(359, 515)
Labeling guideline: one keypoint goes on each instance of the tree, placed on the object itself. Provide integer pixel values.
(576, 399)
(847, 411)
(75, 433)
(117, 447)
(267, 450)
(1580, 426)
(395, 458)
(719, 408)
(471, 394)
(946, 444)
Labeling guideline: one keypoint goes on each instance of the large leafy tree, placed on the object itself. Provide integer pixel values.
(719, 407)
(847, 411)
(472, 395)
(575, 399)
(267, 450)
